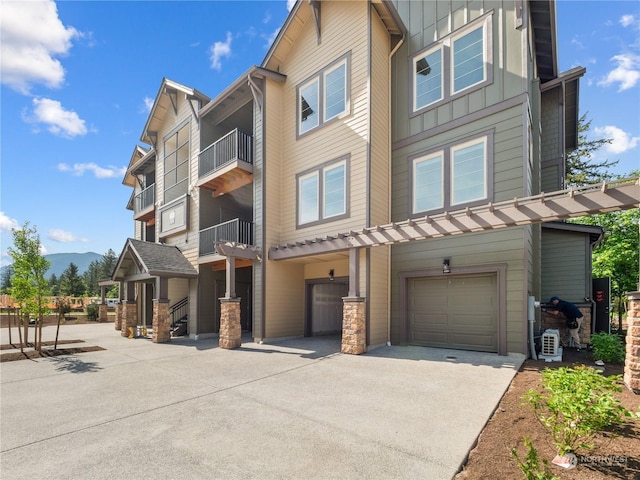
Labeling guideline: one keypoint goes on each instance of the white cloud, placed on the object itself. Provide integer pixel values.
(61, 122)
(621, 140)
(31, 37)
(271, 37)
(628, 20)
(290, 4)
(219, 50)
(148, 104)
(78, 170)
(626, 74)
(7, 223)
(59, 235)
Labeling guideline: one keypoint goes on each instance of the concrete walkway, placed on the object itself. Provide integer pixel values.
(294, 409)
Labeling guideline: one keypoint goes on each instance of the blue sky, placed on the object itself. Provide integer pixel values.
(78, 79)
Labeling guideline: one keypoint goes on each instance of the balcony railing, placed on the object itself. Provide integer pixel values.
(145, 199)
(232, 231)
(235, 145)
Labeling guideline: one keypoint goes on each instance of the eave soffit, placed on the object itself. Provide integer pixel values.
(543, 22)
(166, 100)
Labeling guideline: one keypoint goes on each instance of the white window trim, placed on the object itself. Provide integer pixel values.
(447, 151)
(319, 171)
(416, 59)
(301, 179)
(320, 77)
(447, 84)
(425, 158)
(301, 124)
(326, 73)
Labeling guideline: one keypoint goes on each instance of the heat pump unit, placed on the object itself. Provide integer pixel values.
(550, 342)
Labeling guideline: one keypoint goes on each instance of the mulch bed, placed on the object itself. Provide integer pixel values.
(30, 354)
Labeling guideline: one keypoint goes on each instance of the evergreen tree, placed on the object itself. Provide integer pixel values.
(71, 283)
(53, 284)
(5, 281)
(91, 278)
(581, 168)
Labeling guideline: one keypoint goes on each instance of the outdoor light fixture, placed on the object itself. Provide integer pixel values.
(331, 273)
(446, 266)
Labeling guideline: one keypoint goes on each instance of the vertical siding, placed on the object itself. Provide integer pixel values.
(563, 265)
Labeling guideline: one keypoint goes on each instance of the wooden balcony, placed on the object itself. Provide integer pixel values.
(226, 164)
(144, 208)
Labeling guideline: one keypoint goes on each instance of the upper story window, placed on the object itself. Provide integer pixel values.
(324, 96)
(452, 66)
(323, 193)
(176, 163)
(454, 176)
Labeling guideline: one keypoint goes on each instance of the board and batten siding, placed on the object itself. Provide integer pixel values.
(563, 257)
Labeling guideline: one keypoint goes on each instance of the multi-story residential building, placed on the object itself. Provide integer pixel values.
(380, 174)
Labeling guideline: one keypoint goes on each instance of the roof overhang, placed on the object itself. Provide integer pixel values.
(569, 81)
(543, 22)
(143, 261)
(595, 232)
(165, 100)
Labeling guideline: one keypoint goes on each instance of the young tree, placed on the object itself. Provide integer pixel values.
(28, 285)
(53, 284)
(581, 168)
(71, 283)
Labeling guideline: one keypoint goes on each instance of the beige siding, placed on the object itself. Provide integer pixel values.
(378, 295)
(284, 312)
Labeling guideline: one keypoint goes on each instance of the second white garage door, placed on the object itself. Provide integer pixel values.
(454, 311)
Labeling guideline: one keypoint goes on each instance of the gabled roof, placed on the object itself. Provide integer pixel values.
(303, 10)
(138, 153)
(595, 232)
(166, 100)
(145, 260)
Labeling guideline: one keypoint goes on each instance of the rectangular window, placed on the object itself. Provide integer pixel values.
(452, 177)
(323, 193)
(428, 79)
(468, 173)
(454, 64)
(427, 183)
(324, 96)
(176, 163)
(468, 60)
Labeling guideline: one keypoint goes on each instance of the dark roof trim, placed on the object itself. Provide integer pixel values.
(595, 232)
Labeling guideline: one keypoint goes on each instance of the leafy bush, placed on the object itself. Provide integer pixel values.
(93, 310)
(577, 404)
(607, 347)
(530, 467)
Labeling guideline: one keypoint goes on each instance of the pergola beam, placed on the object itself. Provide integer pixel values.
(575, 202)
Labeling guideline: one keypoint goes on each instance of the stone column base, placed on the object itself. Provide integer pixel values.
(354, 329)
(129, 318)
(631, 375)
(102, 312)
(230, 329)
(118, 322)
(161, 322)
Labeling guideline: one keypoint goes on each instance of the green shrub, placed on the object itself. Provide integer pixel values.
(578, 403)
(93, 310)
(607, 347)
(531, 467)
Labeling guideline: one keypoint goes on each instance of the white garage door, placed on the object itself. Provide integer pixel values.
(454, 311)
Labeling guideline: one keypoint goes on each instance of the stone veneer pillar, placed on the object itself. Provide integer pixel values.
(230, 328)
(102, 312)
(354, 329)
(118, 322)
(129, 317)
(161, 322)
(632, 360)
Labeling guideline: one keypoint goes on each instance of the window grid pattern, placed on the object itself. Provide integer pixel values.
(323, 193)
(176, 164)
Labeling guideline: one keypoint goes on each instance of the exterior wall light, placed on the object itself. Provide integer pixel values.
(331, 274)
(446, 266)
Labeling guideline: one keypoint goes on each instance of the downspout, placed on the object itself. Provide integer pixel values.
(532, 304)
(391, 54)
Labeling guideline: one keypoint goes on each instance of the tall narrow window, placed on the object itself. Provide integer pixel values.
(468, 172)
(428, 79)
(308, 194)
(334, 191)
(468, 60)
(309, 106)
(335, 87)
(427, 183)
(176, 163)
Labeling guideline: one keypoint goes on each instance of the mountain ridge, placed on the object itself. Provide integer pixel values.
(60, 262)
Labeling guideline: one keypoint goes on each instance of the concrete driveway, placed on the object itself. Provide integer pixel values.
(291, 409)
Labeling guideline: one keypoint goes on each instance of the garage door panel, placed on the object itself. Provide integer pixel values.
(454, 311)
